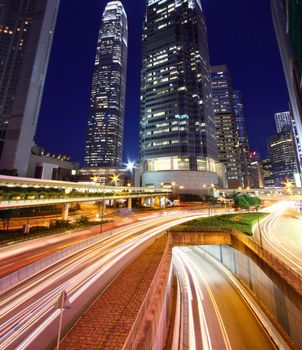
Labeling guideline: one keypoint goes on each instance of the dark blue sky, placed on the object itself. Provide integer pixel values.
(241, 35)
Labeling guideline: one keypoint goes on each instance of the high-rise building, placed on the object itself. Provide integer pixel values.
(282, 153)
(26, 34)
(286, 122)
(287, 17)
(177, 130)
(257, 180)
(243, 138)
(267, 173)
(283, 120)
(227, 132)
(104, 146)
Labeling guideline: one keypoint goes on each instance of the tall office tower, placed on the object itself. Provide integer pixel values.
(281, 150)
(104, 146)
(283, 120)
(26, 34)
(257, 180)
(177, 130)
(243, 138)
(287, 17)
(226, 124)
(267, 173)
(286, 122)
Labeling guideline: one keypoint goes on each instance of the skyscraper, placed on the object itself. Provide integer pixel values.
(26, 34)
(283, 120)
(177, 130)
(286, 122)
(287, 17)
(243, 138)
(226, 124)
(267, 173)
(282, 153)
(104, 146)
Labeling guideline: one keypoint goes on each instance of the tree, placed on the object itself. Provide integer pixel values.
(241, 202)
(5, 216)
(257, 202)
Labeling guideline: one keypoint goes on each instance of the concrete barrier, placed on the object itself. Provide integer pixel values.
(28, 271)
(149, 326)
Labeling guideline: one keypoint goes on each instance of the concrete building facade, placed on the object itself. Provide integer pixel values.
(26, 35)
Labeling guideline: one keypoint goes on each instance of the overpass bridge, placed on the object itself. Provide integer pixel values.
(267, 194)
(17, 192)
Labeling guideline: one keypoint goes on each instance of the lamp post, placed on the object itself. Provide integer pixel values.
(97, 180)
(180, 191)
(103, 204)
(259, 228)
(115, 178)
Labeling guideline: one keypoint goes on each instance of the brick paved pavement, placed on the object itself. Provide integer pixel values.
(108, 321)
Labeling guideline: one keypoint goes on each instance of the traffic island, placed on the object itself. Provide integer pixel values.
(109, 320)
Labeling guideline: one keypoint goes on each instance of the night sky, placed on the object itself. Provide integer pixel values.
(241, 35)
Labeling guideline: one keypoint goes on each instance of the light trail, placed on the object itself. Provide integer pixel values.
(286, 249)
(218, 303)
(28, 309)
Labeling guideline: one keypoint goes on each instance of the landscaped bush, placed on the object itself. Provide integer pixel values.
(243, 222)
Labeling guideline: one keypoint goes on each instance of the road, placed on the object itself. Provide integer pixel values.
(16, 256)
(213, 314)
(281, 234)
(29, 308)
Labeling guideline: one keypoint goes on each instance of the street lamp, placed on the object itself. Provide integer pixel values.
(130, 166)
(103, 204)
(288, 185)
(115, 178)
(96, 180)
(259, 228)
(180, 191)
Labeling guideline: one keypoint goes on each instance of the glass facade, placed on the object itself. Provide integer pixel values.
(26, 33)
(293, 11)
(177, 130)
(243, 138)
(287, 18)
(281, 150)
(104, 146)
(227, 131)
(267, 173)
(283, 120)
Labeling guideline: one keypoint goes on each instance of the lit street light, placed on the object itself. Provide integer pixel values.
(289, 186)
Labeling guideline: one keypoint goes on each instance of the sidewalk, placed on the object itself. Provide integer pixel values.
(108, 321)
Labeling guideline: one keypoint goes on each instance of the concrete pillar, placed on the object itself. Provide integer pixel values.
(143, 201)
(102, 209)
(157, 202)
(65, 211)
(130, 204)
